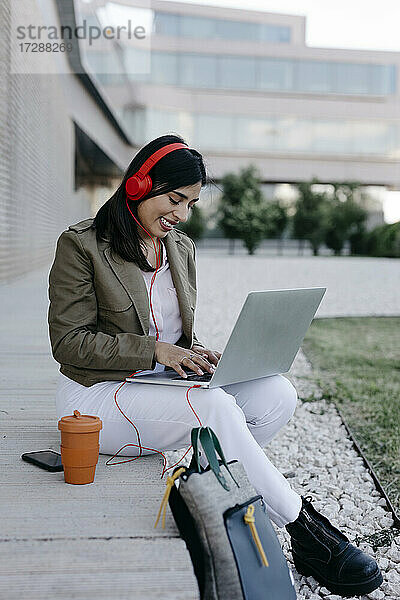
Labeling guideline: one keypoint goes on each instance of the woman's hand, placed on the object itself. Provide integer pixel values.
(212, 356)
(172, 356)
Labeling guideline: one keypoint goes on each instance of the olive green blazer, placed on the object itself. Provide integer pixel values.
(99, 306)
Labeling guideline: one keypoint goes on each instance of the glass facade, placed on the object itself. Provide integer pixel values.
(198, 70)
(236, 72)
(274, 74)
(286, 134)
(190, 26)
(106, 67)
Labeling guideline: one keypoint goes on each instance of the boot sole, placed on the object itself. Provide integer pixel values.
(342, 589)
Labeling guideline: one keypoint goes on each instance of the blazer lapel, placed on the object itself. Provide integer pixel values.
(132, 280)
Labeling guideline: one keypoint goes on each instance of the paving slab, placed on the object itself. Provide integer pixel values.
(86, 569)
(65, 541)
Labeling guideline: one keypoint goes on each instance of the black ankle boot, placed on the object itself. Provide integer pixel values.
(321, 550)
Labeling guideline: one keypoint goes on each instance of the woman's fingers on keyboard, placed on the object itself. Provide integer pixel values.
(194, 366)
(203, 363)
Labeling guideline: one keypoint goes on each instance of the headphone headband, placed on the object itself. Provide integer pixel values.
(154, 158)
(140, 184)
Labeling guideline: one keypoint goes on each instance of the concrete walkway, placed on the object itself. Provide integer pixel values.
(63, 541)
(355, 286)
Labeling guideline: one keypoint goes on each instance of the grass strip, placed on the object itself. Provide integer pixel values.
(356, 361)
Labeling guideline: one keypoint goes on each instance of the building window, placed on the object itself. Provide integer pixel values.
(255, 134)
(237, 30)
(275, 34)
(255, 73)
(293, 135)
(164, 67)
(190, 26)
(166, 24)
(275, 74)
(351, 78)
(313, 76)
(160, 122)
(214, 131)
(237, 72)
(105, 66)
(138, 64)
(198, 27)
(286, 134)
(198, 70)
(383, 79)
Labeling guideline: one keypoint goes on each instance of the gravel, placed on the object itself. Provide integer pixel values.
(315, 446)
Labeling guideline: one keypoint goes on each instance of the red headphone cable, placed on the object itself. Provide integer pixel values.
(158, 264)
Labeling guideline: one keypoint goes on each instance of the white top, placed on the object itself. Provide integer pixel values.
(166, 311)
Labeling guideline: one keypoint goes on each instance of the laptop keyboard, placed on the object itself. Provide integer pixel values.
(194, 377)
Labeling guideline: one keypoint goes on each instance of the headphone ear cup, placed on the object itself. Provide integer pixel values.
(147, 185)
(137, 188)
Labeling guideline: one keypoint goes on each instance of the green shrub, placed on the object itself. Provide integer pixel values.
(384, 240)
(243, 212)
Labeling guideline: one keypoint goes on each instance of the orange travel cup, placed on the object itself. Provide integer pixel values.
(79, 447)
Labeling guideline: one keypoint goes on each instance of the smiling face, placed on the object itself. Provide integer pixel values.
(160, 214)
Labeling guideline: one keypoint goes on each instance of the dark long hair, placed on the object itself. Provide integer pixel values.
(177, 169)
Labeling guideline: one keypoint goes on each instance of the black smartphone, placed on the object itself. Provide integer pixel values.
(45, 459)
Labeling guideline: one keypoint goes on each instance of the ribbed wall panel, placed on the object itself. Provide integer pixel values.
(37, 197)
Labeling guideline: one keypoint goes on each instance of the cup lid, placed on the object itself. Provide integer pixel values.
(78, 423)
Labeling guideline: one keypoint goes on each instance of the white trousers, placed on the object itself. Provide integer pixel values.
(244, 416)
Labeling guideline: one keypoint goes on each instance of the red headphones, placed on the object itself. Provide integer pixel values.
(140, 184)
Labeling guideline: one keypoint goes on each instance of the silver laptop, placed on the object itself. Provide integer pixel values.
(264, 341)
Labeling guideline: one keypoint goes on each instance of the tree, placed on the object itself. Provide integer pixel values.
(345, 221)
(195, 224)
(248, 219)
(384, 240)
(309, 220)
(276, 219)
(358, 239)
(242, 210)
